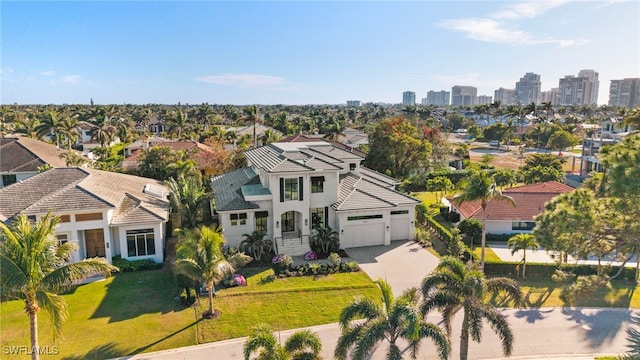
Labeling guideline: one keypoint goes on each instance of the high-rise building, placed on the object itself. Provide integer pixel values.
(353, 103)
(408, 98)
(505, 96)
(484, 99)
(437, 98)
(625, 92)
(549, 96)
(579, 90)
(528, 89)
(463, 95)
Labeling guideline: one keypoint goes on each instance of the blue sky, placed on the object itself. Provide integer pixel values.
(304, 52)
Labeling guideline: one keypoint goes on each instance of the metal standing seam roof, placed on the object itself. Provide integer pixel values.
(358, 193)
(227, 189)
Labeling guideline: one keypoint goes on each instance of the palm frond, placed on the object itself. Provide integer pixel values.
(372, 332)
(387, 293)
(57, 309)
(500, 326)
(12, 276)
(302, 342)
(439, 338)
(347, 339)
(506, 285)
(67, 275)
(359, 308)
(261, 339)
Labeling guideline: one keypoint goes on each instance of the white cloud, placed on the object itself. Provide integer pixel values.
(527, 10)
(72, 79)
(47, 73)
(501, 27)
(243, 80)
(489, 30)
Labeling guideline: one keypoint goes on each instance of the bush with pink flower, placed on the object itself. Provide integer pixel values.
(310, 255)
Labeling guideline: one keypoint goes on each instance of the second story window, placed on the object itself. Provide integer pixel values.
(291, 189)
(352, 166)
(317, 184)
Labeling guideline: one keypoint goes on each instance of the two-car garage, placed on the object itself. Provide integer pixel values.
(369, 229)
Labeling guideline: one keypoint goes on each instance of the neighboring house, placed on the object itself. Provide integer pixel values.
(156, 126)
(321, 139)
(248, 130)
(290, 187)
(142, 144)
(502, 217)
(20, 158)
(196, 151)
(354, 137)
(611, 132)
(104, 213)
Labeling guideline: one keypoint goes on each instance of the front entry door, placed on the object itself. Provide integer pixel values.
(94, 240)
(289, 222)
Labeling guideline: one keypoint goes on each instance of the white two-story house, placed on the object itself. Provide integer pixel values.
(105, 214)
(289, 187)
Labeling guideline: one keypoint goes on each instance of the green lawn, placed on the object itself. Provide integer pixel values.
(138, 312)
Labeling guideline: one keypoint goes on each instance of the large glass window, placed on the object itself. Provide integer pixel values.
(317, 218)
(522, 225)
(291, 189)
(261, 221)
(62, 239)
(317, 184)
(238, 219)
(140, 242)
(363, 217)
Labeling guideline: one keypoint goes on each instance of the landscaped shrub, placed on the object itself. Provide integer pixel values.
(135, 265)
(471, 229)
(188, 297)
(454, 217)
(550, 270)
(499, 237)
(423, 237)
(281, 263)
(442, 231)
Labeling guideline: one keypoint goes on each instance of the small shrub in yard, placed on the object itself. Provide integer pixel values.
(281, 263)
(188, 298)
(334, 259)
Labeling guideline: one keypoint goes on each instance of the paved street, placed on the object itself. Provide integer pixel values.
(549, 333)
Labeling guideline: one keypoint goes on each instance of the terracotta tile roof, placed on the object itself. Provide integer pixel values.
(72, 189)
(24, 154)
(529, 199)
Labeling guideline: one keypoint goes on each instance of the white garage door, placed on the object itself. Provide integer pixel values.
(400, 229)
(363, 235)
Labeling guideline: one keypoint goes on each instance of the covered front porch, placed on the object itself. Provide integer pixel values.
(292, 234)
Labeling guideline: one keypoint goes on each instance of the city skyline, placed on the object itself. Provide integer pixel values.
(304, 52)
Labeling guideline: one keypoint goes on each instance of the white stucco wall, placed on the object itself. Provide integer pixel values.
(158, 236)
(76, 228)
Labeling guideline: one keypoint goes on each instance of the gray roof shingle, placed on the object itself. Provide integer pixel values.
(358, 193)
(72, 189)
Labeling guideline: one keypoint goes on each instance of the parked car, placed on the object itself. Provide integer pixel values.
(494, 143)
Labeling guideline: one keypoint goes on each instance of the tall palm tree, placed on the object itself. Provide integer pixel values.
(34, 269)
(301, 345)
(104, 130)
(200, 258)
(28, 126)
(50, 126)
(453, 287)
(251, 115)
(268, 137)
(398, 317)
(522, 242)
(72, 158)
(178, 124)
(69, 130)
(187, 197)
(481, 187)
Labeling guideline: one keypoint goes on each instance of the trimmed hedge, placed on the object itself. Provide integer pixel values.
(136, 265)
(508, 269)
(442, 231)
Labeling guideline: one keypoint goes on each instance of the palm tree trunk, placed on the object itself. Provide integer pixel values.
(33, 323)
(524, 263)
(637, 265)
(464, 337)
(211, 288)
(484, 237)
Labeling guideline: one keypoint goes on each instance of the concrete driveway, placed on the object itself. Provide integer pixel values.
(403, 264)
